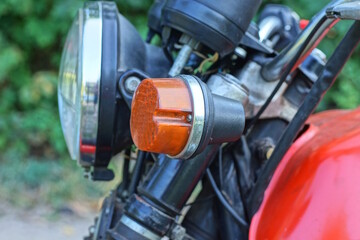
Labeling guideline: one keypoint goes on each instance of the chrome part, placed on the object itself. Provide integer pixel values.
(183, 56)
(348, 10)
(240, 52)
(313, 65)
(91, 75)
(268, 26)
(228, 86)
(267, 29)
(315, 31)
(180, 61)
(198, 118)
(189, 118)
(287, 28)
(133, 225)
(131, 84)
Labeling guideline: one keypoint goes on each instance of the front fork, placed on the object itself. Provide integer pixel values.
(160, 198)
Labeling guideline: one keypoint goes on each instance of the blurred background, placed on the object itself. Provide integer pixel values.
(37, 177)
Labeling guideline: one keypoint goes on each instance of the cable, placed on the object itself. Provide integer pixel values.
(238, 169)
(135, 178)
(220, 159)
(201, 200)
(167, 52)
(224, 202)
(125, 174)
(126, 167)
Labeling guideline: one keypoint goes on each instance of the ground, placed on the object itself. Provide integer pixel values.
(43, 223)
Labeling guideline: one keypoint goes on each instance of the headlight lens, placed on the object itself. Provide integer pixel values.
(70, 87)
(79, 83)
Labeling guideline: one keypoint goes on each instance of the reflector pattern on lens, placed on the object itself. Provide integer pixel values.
(161, 116)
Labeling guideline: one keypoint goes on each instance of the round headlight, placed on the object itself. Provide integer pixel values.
(101, 48)
(79, 83)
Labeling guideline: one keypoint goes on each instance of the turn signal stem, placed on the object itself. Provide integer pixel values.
(181, 117)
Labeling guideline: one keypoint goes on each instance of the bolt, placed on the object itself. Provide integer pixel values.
(107, 211)
(240, 52)
(131, 84)
(287, 28)
(189, 118)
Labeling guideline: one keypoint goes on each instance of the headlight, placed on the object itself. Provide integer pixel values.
(100, 48)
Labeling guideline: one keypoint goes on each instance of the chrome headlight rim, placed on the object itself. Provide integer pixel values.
(91, 57)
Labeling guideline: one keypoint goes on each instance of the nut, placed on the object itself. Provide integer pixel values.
(131, 84)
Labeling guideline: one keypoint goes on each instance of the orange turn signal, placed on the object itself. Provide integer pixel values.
(161, 116)
(181, 117)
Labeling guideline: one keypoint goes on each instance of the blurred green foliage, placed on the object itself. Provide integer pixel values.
(32, 34)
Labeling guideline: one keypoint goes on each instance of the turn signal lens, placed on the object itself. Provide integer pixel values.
(161, 116)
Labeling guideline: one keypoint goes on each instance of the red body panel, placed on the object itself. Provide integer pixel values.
(315, 191)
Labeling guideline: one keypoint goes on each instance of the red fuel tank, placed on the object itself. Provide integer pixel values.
(315, 191)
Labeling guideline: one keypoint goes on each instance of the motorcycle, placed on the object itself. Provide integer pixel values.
(215, 122)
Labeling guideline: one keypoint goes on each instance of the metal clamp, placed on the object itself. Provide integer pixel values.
(138, 228)
(198, 118)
